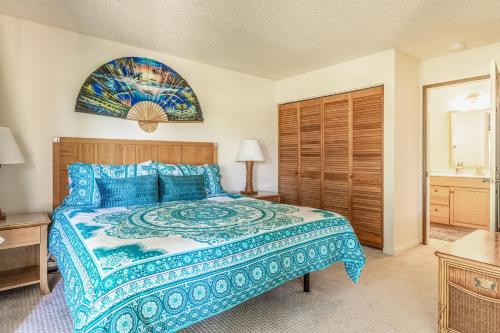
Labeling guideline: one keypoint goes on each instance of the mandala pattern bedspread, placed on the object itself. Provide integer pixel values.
(159, 268)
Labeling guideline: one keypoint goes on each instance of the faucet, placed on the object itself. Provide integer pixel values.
(459, 168)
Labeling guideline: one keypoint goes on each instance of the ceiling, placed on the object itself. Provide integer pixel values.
(273, 38)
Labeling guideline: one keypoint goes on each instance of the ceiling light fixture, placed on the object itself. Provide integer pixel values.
(457, 46)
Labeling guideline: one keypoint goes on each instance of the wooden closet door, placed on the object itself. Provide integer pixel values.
(336, 154)
(367, 167)
(288, 151)
(310, 153)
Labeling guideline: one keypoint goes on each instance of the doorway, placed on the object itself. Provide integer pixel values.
(459, 158)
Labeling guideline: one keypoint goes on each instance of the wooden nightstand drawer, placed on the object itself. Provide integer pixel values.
(24, 251)
(477, 283)
(272, 198)
(19, 237)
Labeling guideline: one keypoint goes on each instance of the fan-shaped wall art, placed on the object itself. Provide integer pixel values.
(139, 89)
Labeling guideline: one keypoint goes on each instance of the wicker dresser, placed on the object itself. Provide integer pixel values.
(469, 284)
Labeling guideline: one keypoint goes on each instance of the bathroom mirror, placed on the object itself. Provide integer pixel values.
(469, 139)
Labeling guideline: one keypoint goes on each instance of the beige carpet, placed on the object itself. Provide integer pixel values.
(395, 294)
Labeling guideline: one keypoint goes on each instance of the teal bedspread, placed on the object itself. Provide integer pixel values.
(162, 267)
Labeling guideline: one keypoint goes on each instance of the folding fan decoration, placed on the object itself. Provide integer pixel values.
(139, 89)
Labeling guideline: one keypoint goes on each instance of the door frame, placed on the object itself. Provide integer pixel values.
(425, 133)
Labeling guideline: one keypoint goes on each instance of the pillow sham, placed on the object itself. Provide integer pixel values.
(82, 187)
(210, 172)
(125, 170)
(173, 188)
(122, 192)
(82, 177)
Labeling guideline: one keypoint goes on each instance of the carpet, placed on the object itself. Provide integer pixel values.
(395, 294)
(448, 233)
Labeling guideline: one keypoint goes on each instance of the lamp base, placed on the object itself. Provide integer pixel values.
(249, 183)
(248, 193)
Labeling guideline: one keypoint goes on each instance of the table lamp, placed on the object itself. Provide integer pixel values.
(249, 153)
(9, 152)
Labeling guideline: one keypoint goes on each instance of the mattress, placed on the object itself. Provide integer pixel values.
(162, 267)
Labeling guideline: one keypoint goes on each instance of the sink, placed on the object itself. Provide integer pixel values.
(469, 175)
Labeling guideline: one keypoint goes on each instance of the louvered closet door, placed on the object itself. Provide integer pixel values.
(310, 153)
(367, 168)
(288, 122)
(336, 151)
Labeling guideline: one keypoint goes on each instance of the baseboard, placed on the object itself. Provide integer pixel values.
(406, 246)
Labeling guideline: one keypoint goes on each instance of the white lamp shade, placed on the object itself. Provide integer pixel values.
(250, 151)
(9, 151)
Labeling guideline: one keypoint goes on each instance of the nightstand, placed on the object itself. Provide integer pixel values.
(23, 251)
(263, 195)
(469, 284)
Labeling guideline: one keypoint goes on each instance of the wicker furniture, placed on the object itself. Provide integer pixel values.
(469, 284)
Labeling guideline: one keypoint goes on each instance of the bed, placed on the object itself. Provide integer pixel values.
(162, 267)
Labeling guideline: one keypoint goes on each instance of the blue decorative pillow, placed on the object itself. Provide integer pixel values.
(122, 192)
(210, 172)
(82, 177)
(173, 188)
(125, 170)
(82, 187)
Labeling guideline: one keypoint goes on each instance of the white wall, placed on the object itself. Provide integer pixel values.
(41, 71)
(439, 131)
(459, 65)
(407, 153)
(359, 73)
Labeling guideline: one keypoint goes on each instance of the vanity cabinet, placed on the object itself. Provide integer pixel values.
(470, 207)
(440, 195)
(460, 201)
(440, 214)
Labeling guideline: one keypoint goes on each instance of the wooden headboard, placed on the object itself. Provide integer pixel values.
(111, 151)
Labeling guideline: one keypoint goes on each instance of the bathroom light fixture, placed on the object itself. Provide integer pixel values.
(474, 101)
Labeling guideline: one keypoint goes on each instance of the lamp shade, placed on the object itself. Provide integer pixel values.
(250, 151)
(9, 151)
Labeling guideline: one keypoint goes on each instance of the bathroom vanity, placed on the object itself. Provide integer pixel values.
(460, 200)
